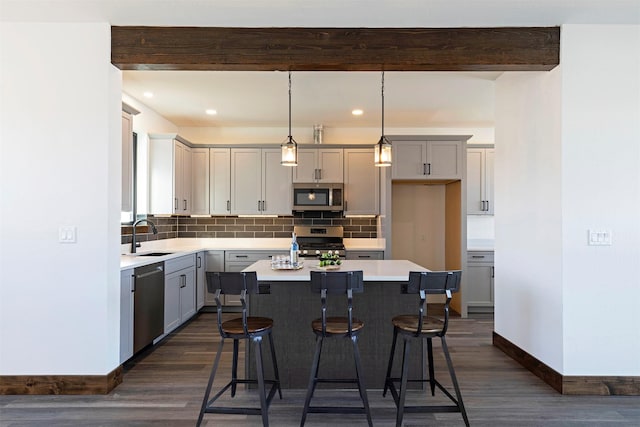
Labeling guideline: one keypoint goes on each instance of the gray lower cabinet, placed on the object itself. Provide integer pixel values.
(179, 291)
(479, 281)
(364, 255)
(126, 315)
(201, 280)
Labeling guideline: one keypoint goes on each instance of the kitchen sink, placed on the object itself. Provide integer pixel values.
(152, 254)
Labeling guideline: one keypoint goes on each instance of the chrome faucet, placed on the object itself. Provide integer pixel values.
(134, 244)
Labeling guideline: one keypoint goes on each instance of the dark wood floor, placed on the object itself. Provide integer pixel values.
(164, 387)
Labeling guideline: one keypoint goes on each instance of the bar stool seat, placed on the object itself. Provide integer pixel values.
(420, 326)
(245, 327)
(337, 325)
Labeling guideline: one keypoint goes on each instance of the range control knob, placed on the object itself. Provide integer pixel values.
(304, 252)
(317, 252)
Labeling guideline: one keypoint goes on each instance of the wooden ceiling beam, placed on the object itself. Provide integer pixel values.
(336, 49)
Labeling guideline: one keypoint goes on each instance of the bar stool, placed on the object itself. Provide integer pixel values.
(337, 282)
(423, 327)
(245, 327)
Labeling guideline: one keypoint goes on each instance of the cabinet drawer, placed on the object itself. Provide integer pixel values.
(480, 256)
(181, 263)
(365, 255)
(251, 257)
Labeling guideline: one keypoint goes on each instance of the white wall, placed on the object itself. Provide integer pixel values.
(528, 223)
(60, 165)
(569, 161)
(601, 190)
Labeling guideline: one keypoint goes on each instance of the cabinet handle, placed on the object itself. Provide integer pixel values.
(264, 205)
(242, 256)
(477, 256)
(315, 174)
(133, 283)
(424, 169)
(364, 256)
(258, 205)
(175, 203)
(184, 202)
(428, 168)
(319, 173)
(183, 281)
(199, 263)
(493, 272)
(345, 205)
(487, 206)
(229, 205)
(482, 208)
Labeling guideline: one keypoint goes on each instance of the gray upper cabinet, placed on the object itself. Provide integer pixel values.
(480, 181)
(170, 175)
(361, 182)
(427, 160)
(319, 165)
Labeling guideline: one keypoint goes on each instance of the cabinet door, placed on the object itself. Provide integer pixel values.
(330, 164)
(479, 285)
(186, 180)
(220, 181)
(126, 315)
(475, 181)
(246, 181)
(409, 159)
(200, 181)
(162, 197)
(365, 255)
(172, 283)
(276, 184)
(488, 179)
(201, 285)
(178, 155)
(361, 182)
(307, 165)
(444, 160)
(127, 162)
(187, 294)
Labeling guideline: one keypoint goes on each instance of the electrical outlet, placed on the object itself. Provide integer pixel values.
(599, 238)
(67, 234)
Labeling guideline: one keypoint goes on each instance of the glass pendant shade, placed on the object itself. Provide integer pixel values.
(289, 152)
(289, 148)
(383, 152)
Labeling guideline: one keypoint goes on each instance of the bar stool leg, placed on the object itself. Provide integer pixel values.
(260, 374)
(403, 383)
(361, 388)
(275, 364)
(312, 379)
(234, 368)
(454, 381)
(210, 384)
(432, 380)
(393, 350)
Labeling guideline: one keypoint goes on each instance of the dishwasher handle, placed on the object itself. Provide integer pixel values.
(157, 270)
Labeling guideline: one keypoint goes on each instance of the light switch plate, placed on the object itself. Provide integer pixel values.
(599, 238)
(67, 234)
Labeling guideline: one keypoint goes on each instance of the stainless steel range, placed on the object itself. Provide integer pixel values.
(316, 239)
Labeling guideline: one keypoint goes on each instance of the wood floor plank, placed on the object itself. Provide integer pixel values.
(164, 387)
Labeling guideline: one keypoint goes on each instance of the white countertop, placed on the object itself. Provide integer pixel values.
(374, 270)
(185, 246)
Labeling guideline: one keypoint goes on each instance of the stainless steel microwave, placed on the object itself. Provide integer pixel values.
(317, 197)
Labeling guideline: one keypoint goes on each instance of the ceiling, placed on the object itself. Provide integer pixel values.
(260, 99)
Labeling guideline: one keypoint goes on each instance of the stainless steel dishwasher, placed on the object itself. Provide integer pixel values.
(148, 305)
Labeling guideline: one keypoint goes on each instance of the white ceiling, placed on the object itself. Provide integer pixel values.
(260, 99)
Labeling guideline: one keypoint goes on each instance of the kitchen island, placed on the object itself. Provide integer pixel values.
(286, 297)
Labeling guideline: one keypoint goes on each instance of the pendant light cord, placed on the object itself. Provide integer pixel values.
(382, 90)
(289, 105)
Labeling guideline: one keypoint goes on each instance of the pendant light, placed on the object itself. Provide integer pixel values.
(383, 147)
(289, 148)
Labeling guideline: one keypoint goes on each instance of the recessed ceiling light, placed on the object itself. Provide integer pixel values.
(148, 94)
(357, 112)
(211, 112)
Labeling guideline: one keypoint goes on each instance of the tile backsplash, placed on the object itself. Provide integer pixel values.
(234, 227)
